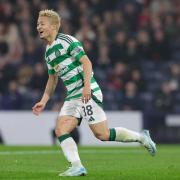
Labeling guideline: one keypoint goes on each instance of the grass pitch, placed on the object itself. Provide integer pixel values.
(102, 163)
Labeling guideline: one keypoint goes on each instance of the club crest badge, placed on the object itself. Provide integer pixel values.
(57, 53)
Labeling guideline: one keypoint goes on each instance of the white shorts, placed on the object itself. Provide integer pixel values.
(91, 112)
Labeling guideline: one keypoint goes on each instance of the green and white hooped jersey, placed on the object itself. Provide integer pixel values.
(62, 57)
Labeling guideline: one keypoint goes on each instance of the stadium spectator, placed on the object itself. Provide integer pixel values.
(174, 76)
(131, 52)
(131, 100)
(160, 44)
(118, 76)
(119, 44)
(144, 44)
(136, 77)
(103, 60)
(163, 104)
(12, 99)
(39, 78)
(163, 101)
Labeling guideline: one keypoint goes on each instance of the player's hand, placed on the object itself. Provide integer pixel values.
(38, 108)
(86, 94)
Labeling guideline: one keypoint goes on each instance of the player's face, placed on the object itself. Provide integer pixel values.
(44, 27)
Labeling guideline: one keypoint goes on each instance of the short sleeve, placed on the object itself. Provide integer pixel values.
(50, 68)
(76, 50)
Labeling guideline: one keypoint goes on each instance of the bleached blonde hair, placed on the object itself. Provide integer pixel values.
(52, 15)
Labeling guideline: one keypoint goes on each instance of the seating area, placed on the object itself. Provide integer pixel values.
(134, 47)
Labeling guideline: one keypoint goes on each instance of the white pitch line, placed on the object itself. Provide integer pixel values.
(41, 152)
(29, 152)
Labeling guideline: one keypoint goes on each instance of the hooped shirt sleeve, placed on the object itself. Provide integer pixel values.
(76, 50)
(49, 65)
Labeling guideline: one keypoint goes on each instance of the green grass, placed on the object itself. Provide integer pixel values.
(102, 163)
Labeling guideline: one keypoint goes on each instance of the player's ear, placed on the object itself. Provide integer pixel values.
(55, 27)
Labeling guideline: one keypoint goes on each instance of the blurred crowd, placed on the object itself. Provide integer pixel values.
(134, 46)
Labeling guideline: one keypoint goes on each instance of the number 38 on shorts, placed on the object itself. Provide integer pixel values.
(90, 112)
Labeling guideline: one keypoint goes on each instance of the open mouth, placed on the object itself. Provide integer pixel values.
(41, 32)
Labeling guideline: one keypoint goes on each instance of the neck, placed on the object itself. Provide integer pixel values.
(51, 38)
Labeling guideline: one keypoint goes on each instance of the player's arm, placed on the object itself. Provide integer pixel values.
(49, 90)
(76, 50)
(50, 87)
(87, 69)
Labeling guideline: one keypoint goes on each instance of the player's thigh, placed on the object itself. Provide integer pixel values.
(65, 124)
(100, 130)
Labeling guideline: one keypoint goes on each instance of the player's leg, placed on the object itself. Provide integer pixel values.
(64, 125)
(102, 132)
(96, 118)
(120, 134)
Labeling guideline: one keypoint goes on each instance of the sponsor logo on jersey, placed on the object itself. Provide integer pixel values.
(63, 70)
(57, 67)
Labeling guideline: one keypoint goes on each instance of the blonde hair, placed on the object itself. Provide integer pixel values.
(52, 15)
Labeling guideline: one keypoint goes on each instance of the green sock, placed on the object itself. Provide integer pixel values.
(112, 134)
(63, 137)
